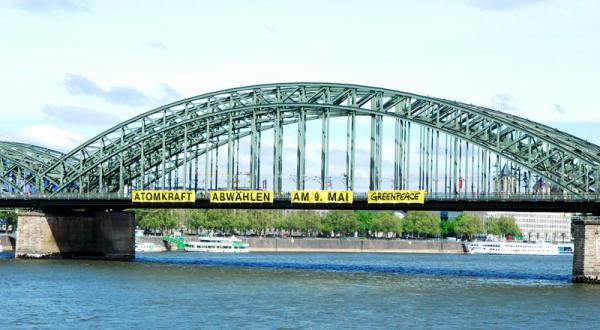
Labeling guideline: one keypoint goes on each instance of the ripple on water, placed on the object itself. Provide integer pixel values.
(302, 290)
(291, 264)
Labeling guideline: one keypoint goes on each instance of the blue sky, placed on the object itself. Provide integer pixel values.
(71, 69)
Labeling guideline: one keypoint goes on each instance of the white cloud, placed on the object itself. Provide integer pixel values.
(44, 6)
(448, 49)
(80, 115)
(46, 135)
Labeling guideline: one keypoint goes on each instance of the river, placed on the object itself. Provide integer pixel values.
(296, 290)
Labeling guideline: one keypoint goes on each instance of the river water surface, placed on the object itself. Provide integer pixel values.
(296, 290)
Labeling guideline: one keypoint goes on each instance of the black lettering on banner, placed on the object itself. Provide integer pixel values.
(162, 196)
(396, 196)
(332, 197)
(305, 196)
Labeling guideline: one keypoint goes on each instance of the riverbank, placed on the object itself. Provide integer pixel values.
(258, 244)
(272, 244)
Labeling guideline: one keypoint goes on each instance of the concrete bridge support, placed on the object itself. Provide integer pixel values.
(586, 259)
(94, 235)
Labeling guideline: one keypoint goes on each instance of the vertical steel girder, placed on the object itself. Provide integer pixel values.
(277, 150)
(325, 150)
(398, 153)
(207, 161)
(350, 150)
(376, 136)
(230, 154)
(254, 155)
(301, 160)
(148, 149)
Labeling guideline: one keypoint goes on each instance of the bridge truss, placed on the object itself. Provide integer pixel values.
(438, 145)
(22, 165)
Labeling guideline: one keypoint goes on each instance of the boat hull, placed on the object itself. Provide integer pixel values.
(216, 250)
(519, 248)
(217, 245)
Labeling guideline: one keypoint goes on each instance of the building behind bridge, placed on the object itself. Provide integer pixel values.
(535, 226)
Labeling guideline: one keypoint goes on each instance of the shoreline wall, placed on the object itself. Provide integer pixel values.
(272, 244)
(352, 245)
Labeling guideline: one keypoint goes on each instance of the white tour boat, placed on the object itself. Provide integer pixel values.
(519, 248)
(217, 244)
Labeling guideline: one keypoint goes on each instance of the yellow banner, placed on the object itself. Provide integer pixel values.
(241, 196)
(163, 196)
(321, 196)
(396, 196)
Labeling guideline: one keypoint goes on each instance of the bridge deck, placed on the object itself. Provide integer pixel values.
(440, 202)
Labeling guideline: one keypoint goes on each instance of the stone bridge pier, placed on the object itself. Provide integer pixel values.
(70, 234)
(586, 259)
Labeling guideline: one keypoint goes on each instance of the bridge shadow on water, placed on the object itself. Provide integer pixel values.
(355, 268)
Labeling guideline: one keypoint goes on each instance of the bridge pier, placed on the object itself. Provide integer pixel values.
(93, 235)
(586, 259)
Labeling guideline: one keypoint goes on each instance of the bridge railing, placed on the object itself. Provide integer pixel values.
(358, 196)
(493, 197)
(66, 196)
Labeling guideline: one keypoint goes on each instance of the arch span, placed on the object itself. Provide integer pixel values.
(145, 151)
(23, 167)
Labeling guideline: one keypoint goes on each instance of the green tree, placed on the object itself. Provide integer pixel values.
(492, 227)
(10, 216)
(422, 223)
(167, 220)
(468, 225)
(308, 222)
(239, 221)
(448, 228)
(218, 219)
(263, 220)
(197, 220)
(386, 223)
(158, 219)
(503, 226)
(145, 219)
(341, 222)
(365, 220)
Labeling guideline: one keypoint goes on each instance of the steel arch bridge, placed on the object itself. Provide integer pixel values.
(22, 165)
(461, 147)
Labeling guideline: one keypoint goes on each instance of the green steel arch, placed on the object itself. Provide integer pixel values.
(147, 149)
(22, 165)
